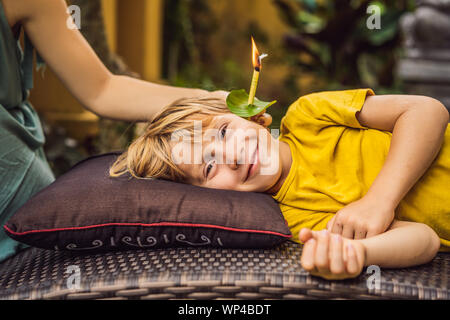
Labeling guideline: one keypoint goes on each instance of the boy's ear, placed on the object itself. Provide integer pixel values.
(263, 119)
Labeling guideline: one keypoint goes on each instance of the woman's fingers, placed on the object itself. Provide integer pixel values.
(219, 94)
(337, 264)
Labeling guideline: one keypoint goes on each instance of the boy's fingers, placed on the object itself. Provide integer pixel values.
(308, 253)
(360, 234)
(336, 227)
(305, 234)
(371, 233)
(321, 257)
(348, 231)
(352, 262)
(337, 265)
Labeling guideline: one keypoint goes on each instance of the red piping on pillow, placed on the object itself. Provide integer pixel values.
(170, 224)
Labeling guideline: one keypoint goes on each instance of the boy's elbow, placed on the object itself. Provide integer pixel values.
(434, 243)
(439, 110)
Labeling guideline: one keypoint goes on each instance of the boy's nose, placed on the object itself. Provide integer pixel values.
(233, 165)
(228, 155)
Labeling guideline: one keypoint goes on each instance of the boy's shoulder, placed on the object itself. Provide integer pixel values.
(329, 98)
(326, 107)
(340, 95)
(304, 102)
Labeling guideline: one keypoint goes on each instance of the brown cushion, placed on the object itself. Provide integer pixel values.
(86, 209)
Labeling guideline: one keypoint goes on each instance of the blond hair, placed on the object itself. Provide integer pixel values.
(149, 156)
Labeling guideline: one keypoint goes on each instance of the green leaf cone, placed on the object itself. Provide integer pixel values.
(237, 102)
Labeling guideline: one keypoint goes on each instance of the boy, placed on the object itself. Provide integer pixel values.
(346, 163)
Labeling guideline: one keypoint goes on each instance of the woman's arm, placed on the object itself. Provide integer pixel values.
(418, 126)
(129, 99)
(331, 256)
(75, 63)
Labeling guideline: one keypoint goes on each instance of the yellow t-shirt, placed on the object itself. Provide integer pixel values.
(335, 160)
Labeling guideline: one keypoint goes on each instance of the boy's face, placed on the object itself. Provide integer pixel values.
(232, 154)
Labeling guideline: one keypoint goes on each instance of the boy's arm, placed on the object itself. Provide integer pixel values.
(405, 244)
(418, 126)
(331, 256)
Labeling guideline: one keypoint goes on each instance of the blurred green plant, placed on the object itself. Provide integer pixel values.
(183, 65)
(330, 47)
(189, 26)
(189, 59)
(332, 41)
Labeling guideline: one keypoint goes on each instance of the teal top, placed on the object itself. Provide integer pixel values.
(24, 169)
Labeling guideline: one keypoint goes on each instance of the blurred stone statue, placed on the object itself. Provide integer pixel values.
(425, 68)
(429, 26)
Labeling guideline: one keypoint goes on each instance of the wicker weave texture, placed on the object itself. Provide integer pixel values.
(205, 273)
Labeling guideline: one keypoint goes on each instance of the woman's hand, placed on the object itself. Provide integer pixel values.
(362, 219)
(219, 94)
(330, 256)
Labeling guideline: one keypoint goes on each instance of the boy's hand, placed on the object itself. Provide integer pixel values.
(362, 219)
(330, 256)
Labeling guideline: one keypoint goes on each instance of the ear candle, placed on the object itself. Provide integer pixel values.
(244, 104)
(257, 69)
(251, 95)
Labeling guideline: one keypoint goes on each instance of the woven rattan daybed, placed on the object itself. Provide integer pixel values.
(206, 273)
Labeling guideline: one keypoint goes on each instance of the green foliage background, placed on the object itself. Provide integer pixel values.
(328, 40)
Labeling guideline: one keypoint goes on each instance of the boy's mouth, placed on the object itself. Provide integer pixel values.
(253, 165)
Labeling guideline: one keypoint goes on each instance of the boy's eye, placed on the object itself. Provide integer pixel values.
(223, 132)
(208, 169)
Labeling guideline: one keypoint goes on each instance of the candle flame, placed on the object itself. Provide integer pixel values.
(256, 57)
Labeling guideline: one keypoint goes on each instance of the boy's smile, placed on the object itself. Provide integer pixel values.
(233, 154)
(254, 164)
